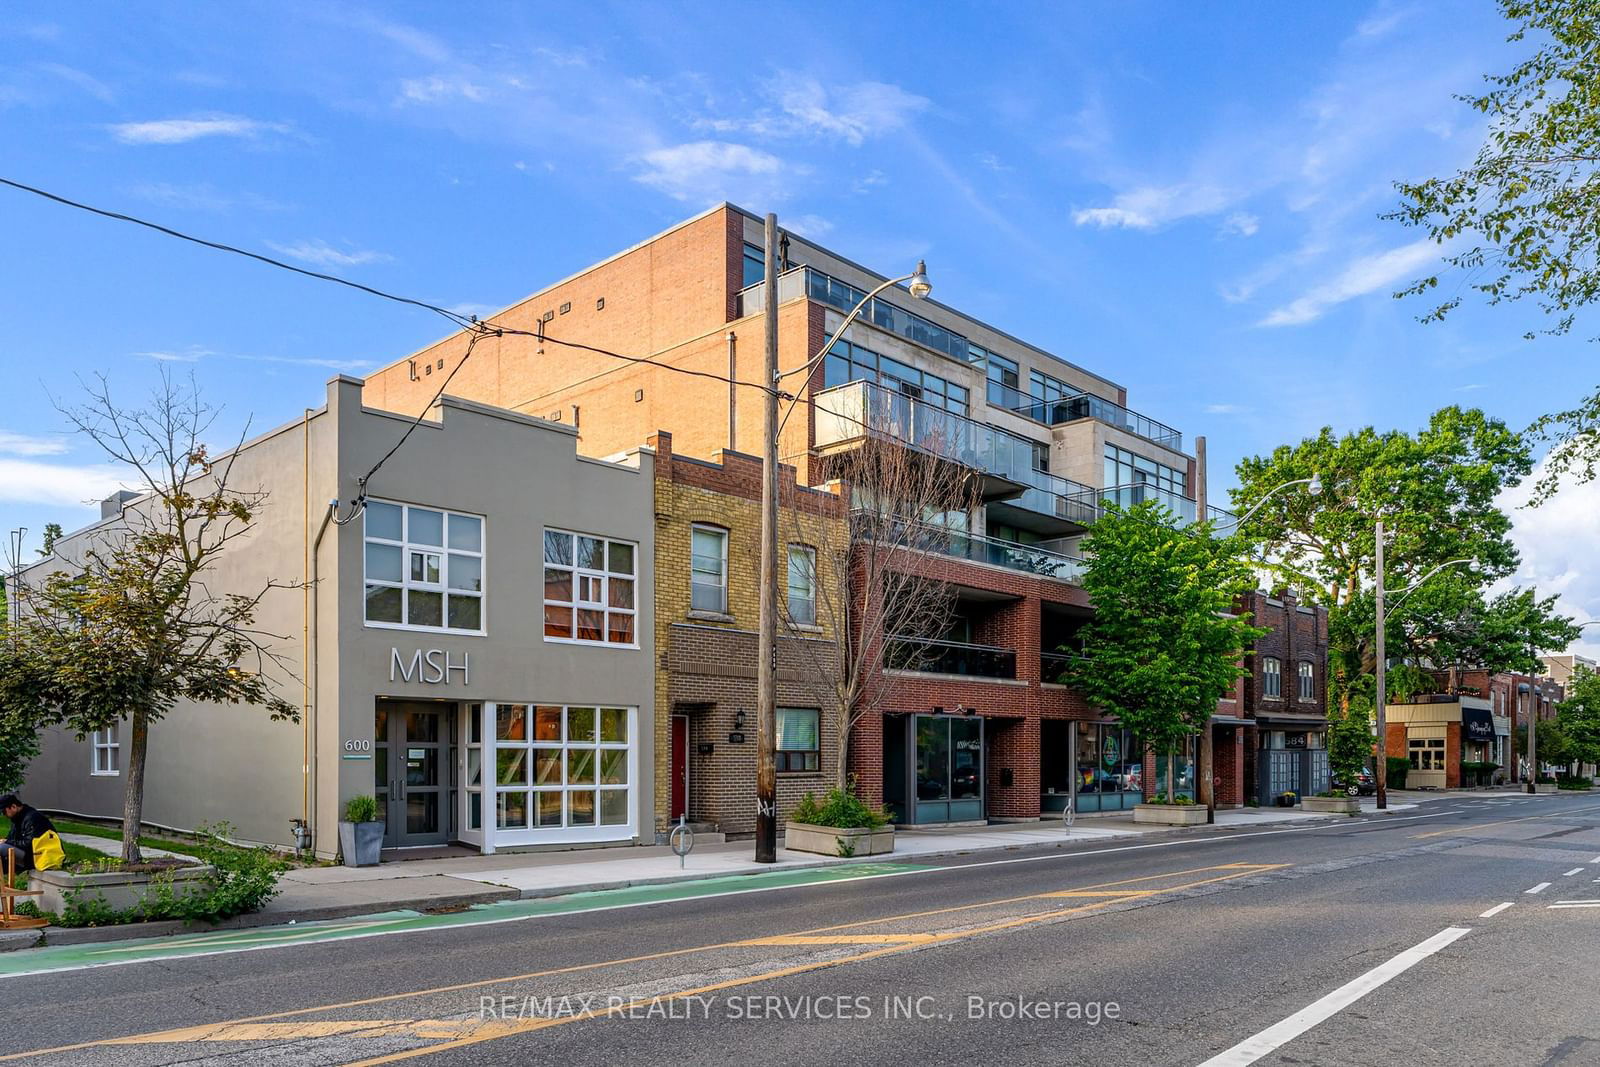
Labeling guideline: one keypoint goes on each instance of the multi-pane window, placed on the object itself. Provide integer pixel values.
(589, 592)
(799, 739)
(1271, 677)
(107, 751)
(848, 362)
(755, 264)
(802, 585)
(1004, 382)
(1127, 468)
(424, 567)
(557, 766)
(708, 569)
(1308, 681)
(1427, 753)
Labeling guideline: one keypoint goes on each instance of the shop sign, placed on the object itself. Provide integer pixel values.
(1294, 740)
(1477, 724)
(431, 666)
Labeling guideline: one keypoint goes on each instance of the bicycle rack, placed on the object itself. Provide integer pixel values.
(681, 839)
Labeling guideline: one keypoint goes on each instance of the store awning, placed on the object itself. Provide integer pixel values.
(1292, 720)
(1477, 724)
(1230, 720)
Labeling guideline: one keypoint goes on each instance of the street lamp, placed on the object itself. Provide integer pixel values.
(767, 637)
(1313, 486)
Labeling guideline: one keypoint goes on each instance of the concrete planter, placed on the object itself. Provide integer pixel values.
(120, 890)
(1171, 814)
(1332, 805)
(836, 841)
(361, 843)
(1545, 787)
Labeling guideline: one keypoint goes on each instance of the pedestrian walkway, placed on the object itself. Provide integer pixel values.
(114, 848)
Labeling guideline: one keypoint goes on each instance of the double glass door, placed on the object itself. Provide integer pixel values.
(949, 769)
(412, 769)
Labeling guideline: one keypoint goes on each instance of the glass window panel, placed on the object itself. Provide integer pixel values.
(511, 722)
(548, 811)
(511, 810)
(933, 759)
(613, 766)
(706, 597)
(474, 767)
(580, 725)
(619, 557)
(466, 612)
(547, 766)
(383, 562)
(383, 520)
(424, 608)
(474, 811)
(591, 625)
(466, 572)
(422, 727)
(580, 807)
(613, 807)
(383, 603)
(557, 621)
(619, 628)
(797, 728)
(422, 813)
(466, 533)
(591, 553)
(558, 548)
(547, 723)
(580, 766)
(558, 585)
(511, 766)
(424, 527)
(619, 592)
(380, 726)
(425, 567)
(613, 725)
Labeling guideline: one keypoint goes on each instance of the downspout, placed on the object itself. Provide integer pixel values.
(305, 631)
(733, 391)
(316, 670)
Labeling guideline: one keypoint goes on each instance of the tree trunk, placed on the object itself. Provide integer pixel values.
(1172, 783)
(133, 793)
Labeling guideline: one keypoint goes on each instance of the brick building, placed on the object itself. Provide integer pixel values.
(1473, 718)
(980, 729)
(1283, 699)
(708, 552)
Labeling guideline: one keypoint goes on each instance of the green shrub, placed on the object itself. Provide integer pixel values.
(838, 810)
(1574, 781)
(363, 808)
(1180, 799)
(1397, 767)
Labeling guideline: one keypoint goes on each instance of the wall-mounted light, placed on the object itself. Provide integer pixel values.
(738, 719)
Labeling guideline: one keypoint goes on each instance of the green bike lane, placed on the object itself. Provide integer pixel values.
(55, 958)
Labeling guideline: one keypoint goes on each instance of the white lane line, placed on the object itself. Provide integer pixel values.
(1575, 904)
(1595, 860)
(1273, 1037)
(1575, 870)
(1540, 888)
(1496, 910)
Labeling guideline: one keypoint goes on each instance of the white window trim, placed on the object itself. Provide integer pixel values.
(1305, 672)
(605, 590)
(444, 551)
(788, 589)
(107, 740)
(493, 836)
(722, 532)
(1277, 673)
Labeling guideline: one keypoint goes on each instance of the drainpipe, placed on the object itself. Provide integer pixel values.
(733, 391)
(309, 715)
(1206, 782)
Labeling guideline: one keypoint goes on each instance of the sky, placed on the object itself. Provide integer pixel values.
(1185, 198)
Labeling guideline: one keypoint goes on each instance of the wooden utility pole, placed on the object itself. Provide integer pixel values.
(1207, 794)
(767, 641)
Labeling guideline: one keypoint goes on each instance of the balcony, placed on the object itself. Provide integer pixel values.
(926, 655)
(1126, 496)
(849, 414)
(1052, 665)
(1084, 406)
(944, 541)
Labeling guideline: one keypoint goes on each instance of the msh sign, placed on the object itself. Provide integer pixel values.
(432, 666)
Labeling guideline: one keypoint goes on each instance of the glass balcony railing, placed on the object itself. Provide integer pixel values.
(946, 541)
(1053, 665)
(1084, 406)
(1224, 520)
(862, 409)
(949, 657)
(1126, 496)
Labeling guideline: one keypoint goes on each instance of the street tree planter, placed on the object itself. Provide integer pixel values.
(1171, 814)
(838, 841)
(120, 890)
(1332, 805)
(1545, 787)
(361, 843)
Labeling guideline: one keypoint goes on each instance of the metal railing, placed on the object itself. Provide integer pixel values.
(943, 540)
(1053, 665)
(1055, 411)
(1126, 496)
(931, 656)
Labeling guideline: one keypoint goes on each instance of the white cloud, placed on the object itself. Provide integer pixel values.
(1242, 223)
(803, 106)
(29, 482)
(1150, 206)
(1362, 276)
(1226, 409)
(87, 82)
(323, 254)
(202, 197)
(1556, 542)
(708, 171)
(21, 444)
(194, 354)
(813, 226)
(435, 88)
(179, 131)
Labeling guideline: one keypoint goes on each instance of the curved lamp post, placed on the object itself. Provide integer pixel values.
(916, 283)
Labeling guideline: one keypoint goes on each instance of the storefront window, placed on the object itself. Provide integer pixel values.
(1110, 768)
(1182, 762)
(562, 769)
(933, 759)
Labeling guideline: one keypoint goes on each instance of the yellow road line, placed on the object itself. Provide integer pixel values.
(844, 939)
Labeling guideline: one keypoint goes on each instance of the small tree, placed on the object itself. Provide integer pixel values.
(126, 625)
(1350, 741)
(1164, 645)
(1579, 716)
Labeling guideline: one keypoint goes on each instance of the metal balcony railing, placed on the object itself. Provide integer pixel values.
(942, 540)
(931, 656)
(1126, 496)
(1054, 412)
(1053, 665)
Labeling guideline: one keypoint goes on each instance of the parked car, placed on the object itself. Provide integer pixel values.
(1362, 784)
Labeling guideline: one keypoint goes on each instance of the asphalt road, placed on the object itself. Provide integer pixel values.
(1359, 941)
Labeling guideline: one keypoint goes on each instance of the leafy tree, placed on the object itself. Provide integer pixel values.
(1164, 645)
(1523, 218)
(23, 688)
(1436, 491)
(1350, 741)
(123, 626)
(52, 534)
(1579, 716)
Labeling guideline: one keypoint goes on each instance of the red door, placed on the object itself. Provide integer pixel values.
(680, 766)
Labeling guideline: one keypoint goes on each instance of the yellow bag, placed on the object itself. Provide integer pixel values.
(48, 855)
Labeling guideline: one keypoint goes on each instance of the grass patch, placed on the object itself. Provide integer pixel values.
(114, 833)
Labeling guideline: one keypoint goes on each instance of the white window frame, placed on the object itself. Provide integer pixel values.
(587, 578)
(1272, 677)
(407, 548)
(809, 568)
(1426, 752)
(493, 835)
(722, 587)
(108, 744)
(1305, 680)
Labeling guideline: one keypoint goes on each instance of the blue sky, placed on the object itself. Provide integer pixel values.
(1183, 197)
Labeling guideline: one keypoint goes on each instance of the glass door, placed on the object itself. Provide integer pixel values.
(412, 771)
(949, 769)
